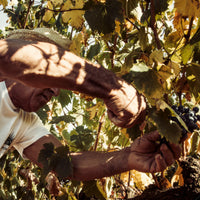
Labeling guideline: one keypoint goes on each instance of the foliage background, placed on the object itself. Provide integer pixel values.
(153, 44)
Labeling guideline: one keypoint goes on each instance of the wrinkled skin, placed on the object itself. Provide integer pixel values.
(148, 155)
(28, 98)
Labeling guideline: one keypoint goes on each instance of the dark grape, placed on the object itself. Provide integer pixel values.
(188, 116)
(196, 109)
(186, 110)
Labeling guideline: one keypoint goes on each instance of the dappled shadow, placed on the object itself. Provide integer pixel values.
(41, 64)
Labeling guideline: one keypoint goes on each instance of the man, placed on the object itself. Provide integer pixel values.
(43, 67)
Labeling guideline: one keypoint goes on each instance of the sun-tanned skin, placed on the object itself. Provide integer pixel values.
(43, 67)
(144, 154)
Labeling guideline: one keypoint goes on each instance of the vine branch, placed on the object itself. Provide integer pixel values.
(31, 2)
(153, 24)
(99, 130)
(69, 10)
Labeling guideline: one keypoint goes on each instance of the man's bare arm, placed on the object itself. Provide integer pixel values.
(144, 155)
(45, 65)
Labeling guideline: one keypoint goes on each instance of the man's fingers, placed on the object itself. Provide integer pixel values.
(113, 118)
(153, 136)
(160, 163)
(176, 150)
(167, 154)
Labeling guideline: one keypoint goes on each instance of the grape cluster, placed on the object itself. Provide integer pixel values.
(190, 117)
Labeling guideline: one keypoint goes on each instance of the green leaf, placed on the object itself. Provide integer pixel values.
(101, 16)
(134, 132)
(161, 6)
(64, 97)
(65, 118)
(61, 162)
(167, 128)
(90, 189)
(42, 113)
(142, 77)
(44, 156)
(93, 51)
(187, 53)
(82, 138)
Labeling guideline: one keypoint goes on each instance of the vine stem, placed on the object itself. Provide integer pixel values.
(31, 2)
(153, 25)
(99, 131)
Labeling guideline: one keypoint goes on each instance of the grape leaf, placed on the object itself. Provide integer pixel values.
(64, 97)
(90, 189)
(42, 113)
(188, 7)
(101, 16)
(187, 53)
(48, 14)
(57, 2)
(4, 3)
(171, 40)
(93, 51)
(61, 162)
(169, 129)
(81, 138)
(73, 13)
(161, 5)
(65, 118)
(75, 47)
(142, 77)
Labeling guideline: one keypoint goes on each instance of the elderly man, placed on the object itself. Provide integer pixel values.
(31, 74)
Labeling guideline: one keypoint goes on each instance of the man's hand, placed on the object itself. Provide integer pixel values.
(147, 155)
(126, 107)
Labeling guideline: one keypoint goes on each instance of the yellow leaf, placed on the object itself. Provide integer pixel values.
(93, 110)
(124, 132)
(178, 177)
(141, 180)
(188, 8)
(75, 47)
(73, 14)
(57, 2)
(48, 14)
(4, 3)
(124, 177)
(156, 56)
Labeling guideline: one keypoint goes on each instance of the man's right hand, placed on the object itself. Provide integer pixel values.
(126, 107)
(148, 155)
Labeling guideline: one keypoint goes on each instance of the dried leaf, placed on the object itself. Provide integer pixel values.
(178, 177)
(53, 184)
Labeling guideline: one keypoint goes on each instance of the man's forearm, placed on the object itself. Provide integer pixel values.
(91, 165)
(45, 65)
